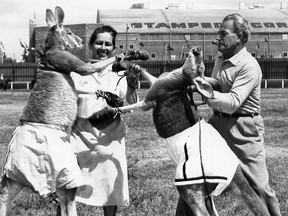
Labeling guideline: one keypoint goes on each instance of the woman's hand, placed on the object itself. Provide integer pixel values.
(132, 76)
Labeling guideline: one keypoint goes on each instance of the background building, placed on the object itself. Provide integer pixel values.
(168, 34)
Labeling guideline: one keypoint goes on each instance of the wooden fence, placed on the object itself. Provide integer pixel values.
(271, 68)
(18, 72)
(274, 70)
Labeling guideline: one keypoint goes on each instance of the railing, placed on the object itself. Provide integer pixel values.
(19, 85)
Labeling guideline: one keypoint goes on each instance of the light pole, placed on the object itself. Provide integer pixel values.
(2, 52)
(267, 40)
(127, 37)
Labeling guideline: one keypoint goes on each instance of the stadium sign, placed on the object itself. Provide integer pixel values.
(205, 25)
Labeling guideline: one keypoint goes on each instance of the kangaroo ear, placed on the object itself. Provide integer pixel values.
(50, 20)
(59, 15)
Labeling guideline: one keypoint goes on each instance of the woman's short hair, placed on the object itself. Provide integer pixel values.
(241, 25)
(103, 29)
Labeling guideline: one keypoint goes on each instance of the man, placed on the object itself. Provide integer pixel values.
(237, 108)
(3, 82)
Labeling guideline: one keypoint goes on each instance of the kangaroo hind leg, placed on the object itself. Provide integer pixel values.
(67, 201)
(195, 197)
(8, 191)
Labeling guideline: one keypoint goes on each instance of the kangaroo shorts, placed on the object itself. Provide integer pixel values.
(40, 157)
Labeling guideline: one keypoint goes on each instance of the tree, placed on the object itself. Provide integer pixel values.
(26, 52)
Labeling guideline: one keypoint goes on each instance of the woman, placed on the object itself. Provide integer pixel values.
(101, 150)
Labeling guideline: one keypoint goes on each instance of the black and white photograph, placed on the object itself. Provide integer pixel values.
(137, 108)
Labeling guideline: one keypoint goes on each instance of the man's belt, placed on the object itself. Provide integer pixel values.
(235, 115)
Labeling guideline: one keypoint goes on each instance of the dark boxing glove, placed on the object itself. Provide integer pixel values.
(112, 100)
(104, 117)
(136, 55)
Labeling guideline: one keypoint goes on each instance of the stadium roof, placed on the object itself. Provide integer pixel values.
(191, 20)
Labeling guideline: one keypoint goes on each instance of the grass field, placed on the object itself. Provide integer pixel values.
(149, 168)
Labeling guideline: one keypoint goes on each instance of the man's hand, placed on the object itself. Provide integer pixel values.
(204, 88)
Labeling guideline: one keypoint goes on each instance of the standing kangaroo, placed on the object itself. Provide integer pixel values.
(39, 155)
(176, 119)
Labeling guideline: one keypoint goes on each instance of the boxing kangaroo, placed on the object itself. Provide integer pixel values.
(200, 154)
(39, 155)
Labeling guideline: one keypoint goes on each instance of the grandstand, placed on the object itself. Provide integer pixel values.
(168, 34)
